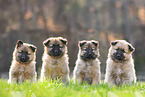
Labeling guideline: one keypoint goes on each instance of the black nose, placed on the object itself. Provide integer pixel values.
(89, 53)
(118, 56)
(23, 58)
(55, 51)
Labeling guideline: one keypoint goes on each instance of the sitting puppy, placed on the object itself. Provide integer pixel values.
(23, 63)
(120, 65)
(87, 67)
(55, 60)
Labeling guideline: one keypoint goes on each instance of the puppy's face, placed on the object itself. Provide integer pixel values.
(24, 52)
(121, 50)
(55, 47)
(88, 49)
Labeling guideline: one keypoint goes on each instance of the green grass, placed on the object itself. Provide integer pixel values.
(55, 89)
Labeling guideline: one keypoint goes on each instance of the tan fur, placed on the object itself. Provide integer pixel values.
(119, 73)
(20, 72)
(87, 70)
(55, 68)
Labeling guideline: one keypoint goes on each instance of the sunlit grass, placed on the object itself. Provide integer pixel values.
(56, 89)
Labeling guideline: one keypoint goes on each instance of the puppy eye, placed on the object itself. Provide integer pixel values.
(84, 48)
(123, 51)
(61, 46)
(51, 46)
(117, 49)
(19, 52)
(28, 53)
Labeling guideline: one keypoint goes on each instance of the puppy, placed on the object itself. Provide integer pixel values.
(120, 65)
(55, 60)
(23, 64)
(87, 67)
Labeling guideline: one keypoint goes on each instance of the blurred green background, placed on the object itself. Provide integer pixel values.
(104, 20)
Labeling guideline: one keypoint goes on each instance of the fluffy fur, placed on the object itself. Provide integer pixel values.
(87, 68)
(55, 67)
(119, 72)
(23, 71)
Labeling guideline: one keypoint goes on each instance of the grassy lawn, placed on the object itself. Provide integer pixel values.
(55, 89)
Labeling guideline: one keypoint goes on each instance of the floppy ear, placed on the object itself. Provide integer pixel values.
(113, 43)
(19, 43)
(46, 42)
(96, 43)
(64, 41)
(33, 48)
(131, 48)
(81, 43)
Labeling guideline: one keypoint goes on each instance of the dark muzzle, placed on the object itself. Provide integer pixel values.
(55, 51)
(23, 57)
(119, 55)
(89, 54)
